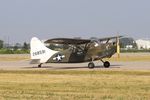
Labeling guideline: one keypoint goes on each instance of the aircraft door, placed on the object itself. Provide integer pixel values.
(77, 55)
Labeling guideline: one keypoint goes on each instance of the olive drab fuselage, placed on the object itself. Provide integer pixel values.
(83, 53)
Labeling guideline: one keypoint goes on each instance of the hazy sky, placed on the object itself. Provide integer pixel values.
(22, 19)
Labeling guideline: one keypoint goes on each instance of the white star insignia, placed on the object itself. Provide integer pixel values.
(59, 57)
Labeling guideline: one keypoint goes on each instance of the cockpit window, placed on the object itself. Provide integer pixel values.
(62, 47)
(58, 47)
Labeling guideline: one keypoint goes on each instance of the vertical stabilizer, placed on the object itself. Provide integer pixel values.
(39, 51)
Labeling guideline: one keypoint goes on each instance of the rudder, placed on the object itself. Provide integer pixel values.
(39, 51)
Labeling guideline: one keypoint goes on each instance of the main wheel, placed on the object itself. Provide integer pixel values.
(106, 64)
(91, 65)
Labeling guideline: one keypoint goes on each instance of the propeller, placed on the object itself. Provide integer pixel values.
(118, 47)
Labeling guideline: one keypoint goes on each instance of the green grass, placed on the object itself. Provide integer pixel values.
(75, 85)
(8, 51)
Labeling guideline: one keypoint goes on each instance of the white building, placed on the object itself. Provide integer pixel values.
(143, 44)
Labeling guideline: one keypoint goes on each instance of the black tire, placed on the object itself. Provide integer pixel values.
(39, 66)
(106, 64)
(91, 65)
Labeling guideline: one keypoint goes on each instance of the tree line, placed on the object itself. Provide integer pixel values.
(14, 49)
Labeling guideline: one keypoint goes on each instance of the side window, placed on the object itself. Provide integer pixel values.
(58, 47)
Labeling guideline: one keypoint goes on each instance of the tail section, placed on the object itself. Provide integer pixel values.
(39, 52)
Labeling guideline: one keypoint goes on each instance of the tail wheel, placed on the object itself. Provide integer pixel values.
(40, 65)
(106, 64)
(91, 65)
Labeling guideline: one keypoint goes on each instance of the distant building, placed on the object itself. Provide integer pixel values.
(143, 44)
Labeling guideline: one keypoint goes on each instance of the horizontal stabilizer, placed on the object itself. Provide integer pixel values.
(35, 61)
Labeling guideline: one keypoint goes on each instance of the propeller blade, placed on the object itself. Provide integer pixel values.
(118, 47)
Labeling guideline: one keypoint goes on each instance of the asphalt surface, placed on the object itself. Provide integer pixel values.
(22, 62)
(24, 65)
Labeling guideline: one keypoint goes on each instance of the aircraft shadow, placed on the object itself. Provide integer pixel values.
(76, 67)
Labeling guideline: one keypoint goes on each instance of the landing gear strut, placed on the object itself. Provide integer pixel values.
(91, 65)
(39, 66)
(106, 64)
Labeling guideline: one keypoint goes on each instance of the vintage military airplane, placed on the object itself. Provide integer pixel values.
(68, 50)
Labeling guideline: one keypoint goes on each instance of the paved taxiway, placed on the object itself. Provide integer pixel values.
(24, 65)
(11, 62)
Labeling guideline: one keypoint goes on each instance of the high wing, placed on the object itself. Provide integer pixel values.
(68, 41)
(76, 41)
